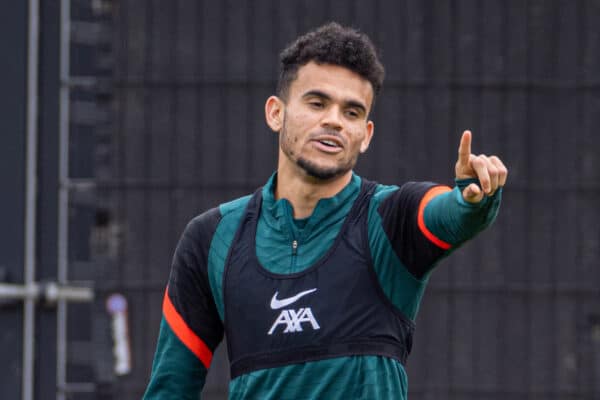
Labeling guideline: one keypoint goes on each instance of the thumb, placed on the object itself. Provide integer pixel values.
(472, 193)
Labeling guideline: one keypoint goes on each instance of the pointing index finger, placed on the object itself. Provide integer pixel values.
(464, 149)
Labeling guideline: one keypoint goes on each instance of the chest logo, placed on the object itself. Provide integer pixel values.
(292, 319)
(277, 303)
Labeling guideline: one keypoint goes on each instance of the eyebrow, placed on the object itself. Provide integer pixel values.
(325, 96)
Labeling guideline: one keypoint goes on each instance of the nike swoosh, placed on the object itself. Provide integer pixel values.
(276, 303)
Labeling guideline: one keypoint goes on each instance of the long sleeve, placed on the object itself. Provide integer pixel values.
(190, 328)
(424, 222)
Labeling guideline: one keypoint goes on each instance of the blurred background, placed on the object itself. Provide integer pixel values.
(122, 120)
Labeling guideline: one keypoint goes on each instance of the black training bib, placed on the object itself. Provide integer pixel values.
(334, 308)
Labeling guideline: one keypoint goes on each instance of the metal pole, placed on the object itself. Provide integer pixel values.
(50, 292)
(63, 198)
(10, 291)
(30, 198)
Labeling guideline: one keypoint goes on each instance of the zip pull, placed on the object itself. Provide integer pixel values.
(294, 247)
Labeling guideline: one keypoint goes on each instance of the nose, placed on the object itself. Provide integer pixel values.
(332, 118)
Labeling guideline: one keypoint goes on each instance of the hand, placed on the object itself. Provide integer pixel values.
(490, 171)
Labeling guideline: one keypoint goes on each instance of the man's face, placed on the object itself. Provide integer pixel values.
(324, 125)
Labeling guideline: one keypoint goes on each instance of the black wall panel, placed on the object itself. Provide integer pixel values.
(13, 145)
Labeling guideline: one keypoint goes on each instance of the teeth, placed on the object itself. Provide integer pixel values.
(329, 143)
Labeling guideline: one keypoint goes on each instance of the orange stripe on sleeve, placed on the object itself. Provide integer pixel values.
(184, 333)
(429, 195)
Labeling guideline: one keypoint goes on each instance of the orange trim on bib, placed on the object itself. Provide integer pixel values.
(429, 195)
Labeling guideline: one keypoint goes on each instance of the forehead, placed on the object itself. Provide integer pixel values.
(336, 81)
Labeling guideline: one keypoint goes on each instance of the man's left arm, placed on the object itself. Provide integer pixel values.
(412, 227)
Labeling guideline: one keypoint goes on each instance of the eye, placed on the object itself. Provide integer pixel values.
(352, 113)
(316, 104)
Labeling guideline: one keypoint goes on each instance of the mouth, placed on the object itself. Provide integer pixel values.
(328, 144)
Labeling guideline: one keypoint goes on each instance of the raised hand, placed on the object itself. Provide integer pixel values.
(490, 171)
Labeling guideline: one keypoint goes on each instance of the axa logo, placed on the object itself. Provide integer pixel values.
(292, 319)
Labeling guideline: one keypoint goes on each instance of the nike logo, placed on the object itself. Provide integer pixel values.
(279, 303)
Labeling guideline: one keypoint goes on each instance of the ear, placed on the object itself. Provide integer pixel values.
(274, 112)
(365, 143)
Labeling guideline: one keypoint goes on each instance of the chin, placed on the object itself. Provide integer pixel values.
(323, 172)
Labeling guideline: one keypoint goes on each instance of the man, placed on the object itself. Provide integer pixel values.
(316, 278)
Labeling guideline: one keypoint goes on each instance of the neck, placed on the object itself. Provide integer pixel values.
(304, 192)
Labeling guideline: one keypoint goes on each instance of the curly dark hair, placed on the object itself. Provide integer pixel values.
(331, 44)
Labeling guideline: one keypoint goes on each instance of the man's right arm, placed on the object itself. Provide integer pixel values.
(190, 329)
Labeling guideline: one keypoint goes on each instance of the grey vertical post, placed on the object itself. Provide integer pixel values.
(63, 195)
(30, 197)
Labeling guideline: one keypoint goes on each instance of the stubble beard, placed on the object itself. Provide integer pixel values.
(321, 173)
(310, 168)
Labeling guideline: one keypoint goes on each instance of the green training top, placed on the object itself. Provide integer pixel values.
(411, 228)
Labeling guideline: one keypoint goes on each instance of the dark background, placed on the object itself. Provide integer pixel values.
(172, 123)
